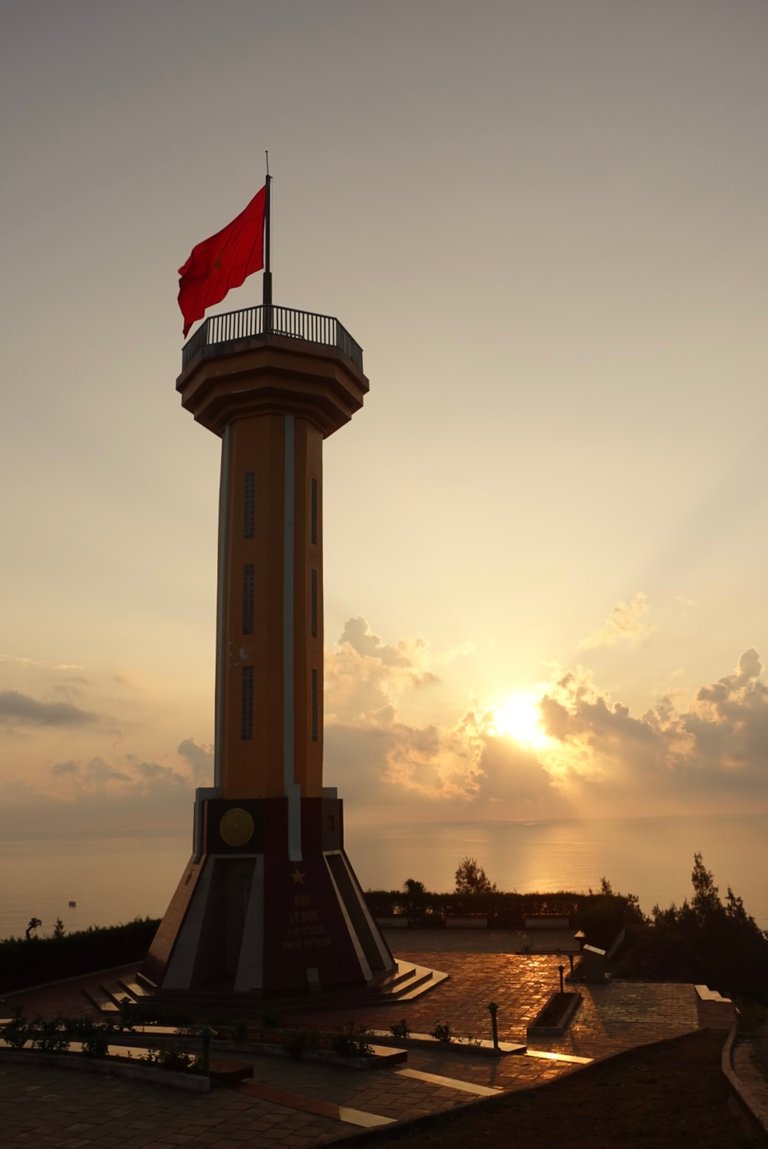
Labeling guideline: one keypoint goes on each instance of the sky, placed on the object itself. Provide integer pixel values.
(545, 543)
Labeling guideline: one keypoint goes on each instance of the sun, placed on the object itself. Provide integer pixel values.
(518, 717)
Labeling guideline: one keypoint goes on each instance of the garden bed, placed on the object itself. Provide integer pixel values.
(164, 1053)
(452, 1042)
(115, 1065)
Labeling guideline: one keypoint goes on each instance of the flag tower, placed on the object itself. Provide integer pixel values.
(269, 902)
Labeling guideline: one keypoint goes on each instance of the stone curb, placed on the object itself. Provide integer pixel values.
(755, 1104)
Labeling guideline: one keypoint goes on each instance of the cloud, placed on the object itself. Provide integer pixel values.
(199, 759)
(120, 793)
(461, 650)
(97, 772)
(154, 772)
(20, 710)
(627, 622)
(365, 676)
(685, 751)
(395, 745)
(375, 751)
(60, 769)
(361, 638)
(102, 795)
(376, 755)
(692, 752)
(38, 663)
(130, 772)
(730, 720)
(429, 769)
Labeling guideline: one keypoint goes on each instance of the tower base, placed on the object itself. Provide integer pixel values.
(252, 914)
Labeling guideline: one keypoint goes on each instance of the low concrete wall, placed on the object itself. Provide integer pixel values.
(546, 922)
(714, 1010)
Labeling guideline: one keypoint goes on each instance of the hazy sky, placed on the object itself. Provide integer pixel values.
(545, 221)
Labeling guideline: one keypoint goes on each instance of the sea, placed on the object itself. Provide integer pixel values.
(105, 880)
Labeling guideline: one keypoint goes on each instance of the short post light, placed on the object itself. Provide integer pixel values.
(206, 1033)
(493, 1009)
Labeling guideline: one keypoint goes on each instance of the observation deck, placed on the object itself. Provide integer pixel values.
(272, 359)
(221, 335)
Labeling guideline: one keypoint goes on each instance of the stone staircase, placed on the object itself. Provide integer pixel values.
(141, 996)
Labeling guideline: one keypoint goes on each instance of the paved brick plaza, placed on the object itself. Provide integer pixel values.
(301, 1103)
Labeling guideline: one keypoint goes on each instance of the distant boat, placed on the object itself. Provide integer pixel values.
(72, 905)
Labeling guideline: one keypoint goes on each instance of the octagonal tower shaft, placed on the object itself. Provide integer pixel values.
(272, 401)
(269, 664)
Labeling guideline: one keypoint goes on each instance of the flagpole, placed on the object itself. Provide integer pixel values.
(267, 295)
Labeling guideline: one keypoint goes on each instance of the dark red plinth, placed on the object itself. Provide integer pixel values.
(260, 909)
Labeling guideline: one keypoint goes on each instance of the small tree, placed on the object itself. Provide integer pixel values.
(472, 878)
(414, 899)
(721, 942)
(705, 903)
(34, 923)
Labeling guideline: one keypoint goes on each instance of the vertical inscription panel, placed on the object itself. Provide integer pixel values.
(308, 930)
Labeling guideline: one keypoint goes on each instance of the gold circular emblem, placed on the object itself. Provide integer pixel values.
(236, 826)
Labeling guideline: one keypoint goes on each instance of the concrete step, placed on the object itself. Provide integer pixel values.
(135, 988)
(403, 972)
(102, 999)
(410, 982)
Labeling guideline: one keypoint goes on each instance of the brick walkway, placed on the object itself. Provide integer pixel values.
(297, 1104)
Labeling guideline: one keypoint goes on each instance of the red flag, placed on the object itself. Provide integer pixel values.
(222, 262)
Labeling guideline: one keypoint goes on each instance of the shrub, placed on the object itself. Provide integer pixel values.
(96, 1044)
(353, 1042)
(240, 1031)
(94, 1036)
(297, 1040)
(16, 1031)
(172, 1058)
(400, 1030)
(49, 1035)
